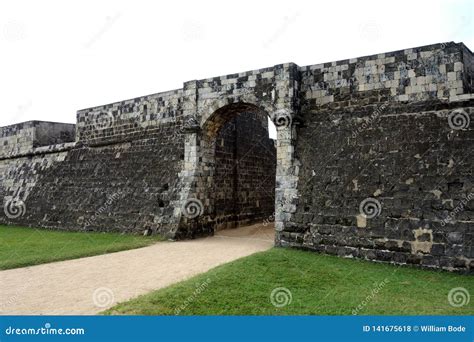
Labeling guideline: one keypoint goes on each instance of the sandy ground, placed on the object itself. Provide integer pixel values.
(93, 284)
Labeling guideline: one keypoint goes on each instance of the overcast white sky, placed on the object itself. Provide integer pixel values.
(60, 56)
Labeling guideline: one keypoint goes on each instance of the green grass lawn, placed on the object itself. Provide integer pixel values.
(21, 246)
(319, 284)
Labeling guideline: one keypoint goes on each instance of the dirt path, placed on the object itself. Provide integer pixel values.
(93, 284)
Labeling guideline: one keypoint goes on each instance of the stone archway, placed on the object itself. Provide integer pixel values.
(209, 189)
(206, 106)
(238, 166)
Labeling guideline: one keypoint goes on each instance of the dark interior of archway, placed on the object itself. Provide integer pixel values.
(245, 168)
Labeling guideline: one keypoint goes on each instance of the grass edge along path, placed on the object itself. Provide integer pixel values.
(23, 246)
(294, 282)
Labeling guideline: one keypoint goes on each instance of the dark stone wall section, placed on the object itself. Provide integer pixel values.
(406, 158)
(53, 133)
(245, 171)
(22, 138)
(468, 75)
(126, 187)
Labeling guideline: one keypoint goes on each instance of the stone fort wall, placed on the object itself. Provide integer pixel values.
(122, 173)
(385, 163)
(373, 159)
(23, 138)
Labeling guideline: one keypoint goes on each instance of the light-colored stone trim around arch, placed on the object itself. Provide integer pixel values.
(273, 91)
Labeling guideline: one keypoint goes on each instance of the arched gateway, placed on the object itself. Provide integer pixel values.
(252, 97)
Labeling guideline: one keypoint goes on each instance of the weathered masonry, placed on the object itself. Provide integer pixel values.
(373, 159)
